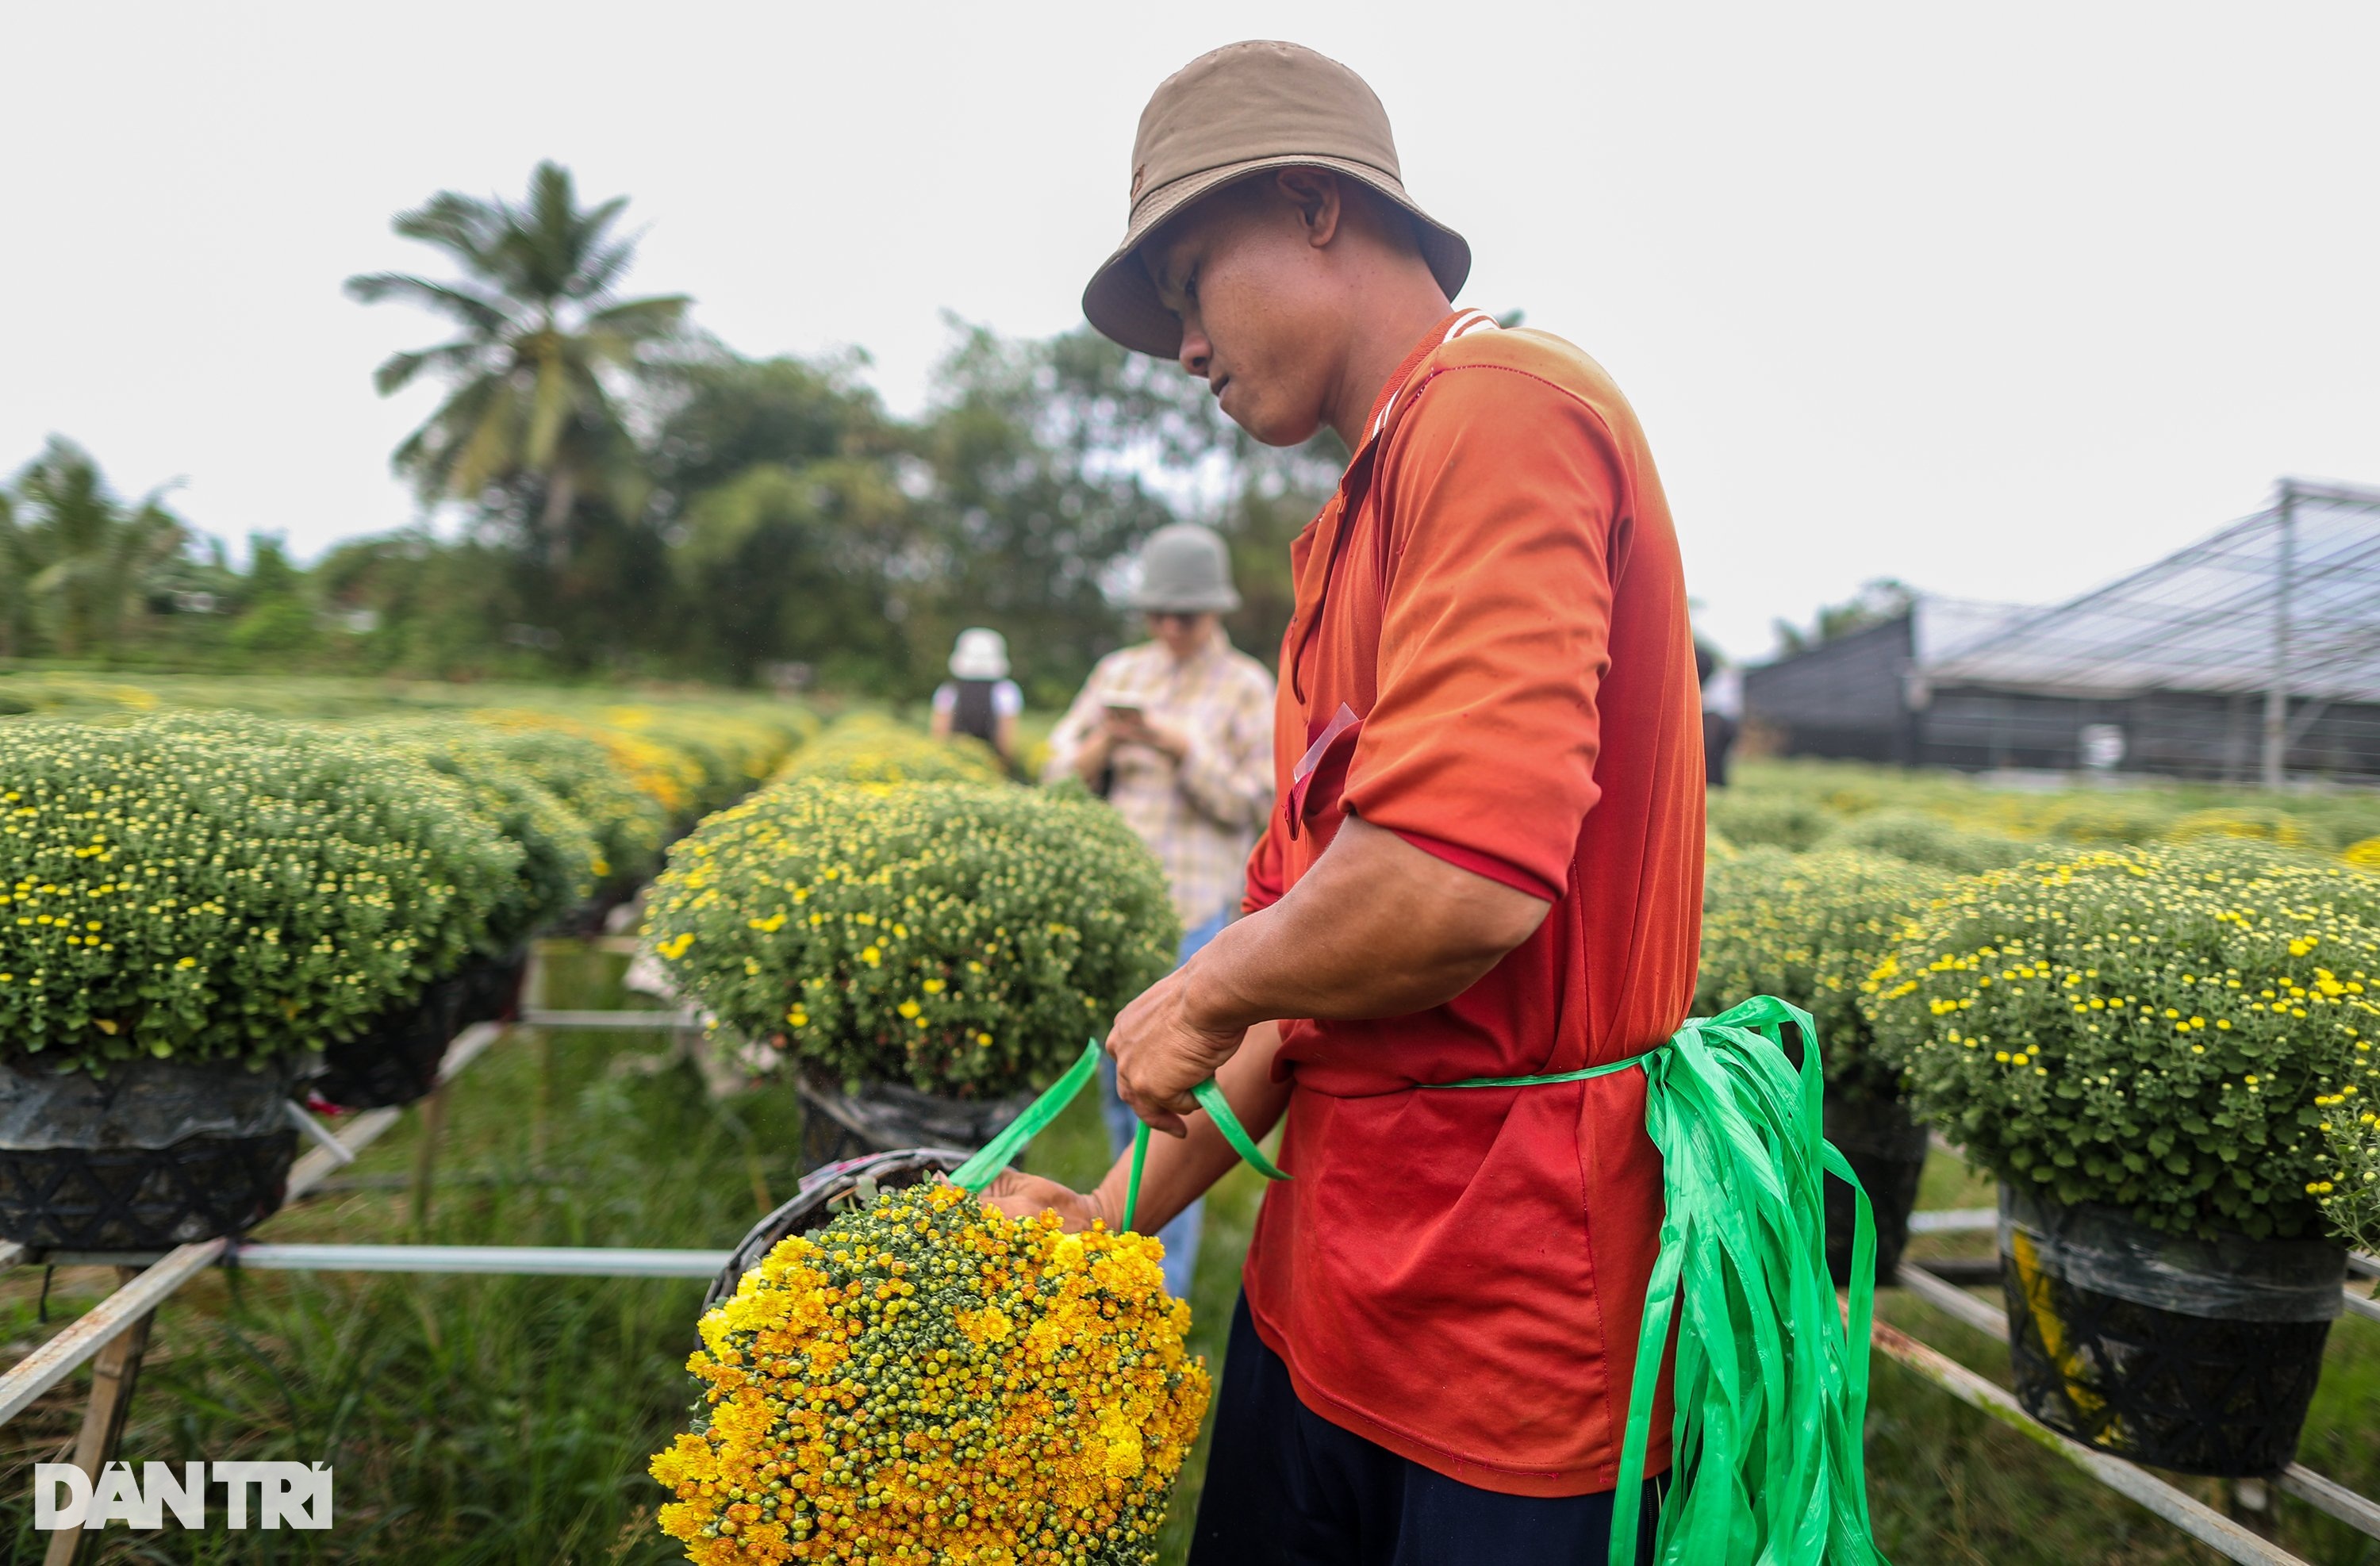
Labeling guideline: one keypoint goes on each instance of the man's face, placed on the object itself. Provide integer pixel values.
(1242, 271)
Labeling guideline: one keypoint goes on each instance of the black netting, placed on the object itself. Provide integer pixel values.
(142, 1199)
(395, 1060)
(2190, 1393)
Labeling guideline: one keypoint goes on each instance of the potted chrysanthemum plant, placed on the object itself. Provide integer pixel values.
(2144, 1046)
(924, 953)
(394, 1058)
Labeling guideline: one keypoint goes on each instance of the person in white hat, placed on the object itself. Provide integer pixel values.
(1177, 733)
(980, 698)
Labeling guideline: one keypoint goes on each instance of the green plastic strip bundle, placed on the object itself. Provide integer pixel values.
(1770, 1393)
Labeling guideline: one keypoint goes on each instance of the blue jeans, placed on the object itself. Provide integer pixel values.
(1180, 1236)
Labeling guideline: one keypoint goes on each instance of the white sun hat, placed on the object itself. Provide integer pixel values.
(980, 654)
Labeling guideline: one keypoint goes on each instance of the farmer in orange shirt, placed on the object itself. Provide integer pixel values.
(1487, 861)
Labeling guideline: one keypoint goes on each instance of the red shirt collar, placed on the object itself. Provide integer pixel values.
(1454, 325)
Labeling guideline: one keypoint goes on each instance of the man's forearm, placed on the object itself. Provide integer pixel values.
(1181, 1169)
(1377, 927)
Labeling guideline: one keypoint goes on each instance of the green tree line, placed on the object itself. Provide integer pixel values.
(622, 496)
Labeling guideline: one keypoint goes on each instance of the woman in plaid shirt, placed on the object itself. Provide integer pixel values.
(1177, 733)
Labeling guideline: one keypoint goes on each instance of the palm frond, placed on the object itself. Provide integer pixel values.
(643, 320)
(464, 224)
(430, 454)
(603, 265)
(592, 225)
(490, 454)
(455, 360)
(474, 311)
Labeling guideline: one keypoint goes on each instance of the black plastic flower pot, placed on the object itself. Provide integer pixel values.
(2199, 1356)
(395, 1060)
(1887, 1150)
(151, 1155)
(491, 988)
(826, 1191)
(883, 1116)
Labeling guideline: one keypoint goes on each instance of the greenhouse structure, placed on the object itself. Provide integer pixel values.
(2253, 654)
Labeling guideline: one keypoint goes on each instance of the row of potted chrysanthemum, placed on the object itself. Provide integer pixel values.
(2167, 1059)
(204, 918)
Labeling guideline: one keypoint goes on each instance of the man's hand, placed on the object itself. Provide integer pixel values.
(1029, 1195)
(1179, 1170)
(1163, 1050)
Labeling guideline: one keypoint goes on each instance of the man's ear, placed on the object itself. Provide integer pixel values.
(1313, 194)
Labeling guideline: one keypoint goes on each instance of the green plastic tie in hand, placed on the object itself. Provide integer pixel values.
(979, 1170)
(982, 1170)
(1219, 1109)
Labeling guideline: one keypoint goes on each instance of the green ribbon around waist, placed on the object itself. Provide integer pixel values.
(1770, 1387)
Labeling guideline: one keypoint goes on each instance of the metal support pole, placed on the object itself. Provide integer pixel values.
(2277, 695)
(112, 1377)
(426, 1124)
(621, 1022)
(550, 1261)
(541, 1101)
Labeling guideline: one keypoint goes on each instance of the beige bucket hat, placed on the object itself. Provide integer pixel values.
(1241, 110)
(1185, 569)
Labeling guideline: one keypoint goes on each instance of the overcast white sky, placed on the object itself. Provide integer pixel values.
(2000, 299)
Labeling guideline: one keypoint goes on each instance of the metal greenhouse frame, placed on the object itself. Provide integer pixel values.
(2253, 654)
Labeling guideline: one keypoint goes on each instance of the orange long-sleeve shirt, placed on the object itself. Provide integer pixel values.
(1491, 657)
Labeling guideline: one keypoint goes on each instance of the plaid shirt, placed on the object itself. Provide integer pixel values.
(1200, 816)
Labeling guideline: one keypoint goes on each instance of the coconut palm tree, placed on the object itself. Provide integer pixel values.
(544, 354)
(16, 569)
(83, 556)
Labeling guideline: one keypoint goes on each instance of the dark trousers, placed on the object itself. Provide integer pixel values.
(1287, 1488)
